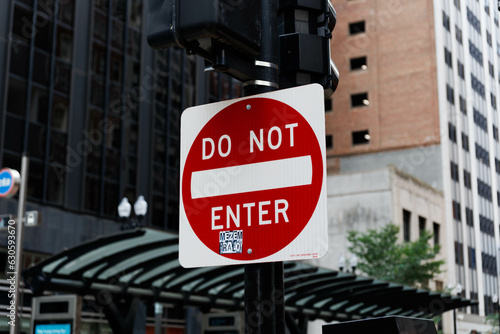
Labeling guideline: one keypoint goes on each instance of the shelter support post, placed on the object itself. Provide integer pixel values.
(125, 315)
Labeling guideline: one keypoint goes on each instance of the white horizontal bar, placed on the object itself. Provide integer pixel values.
(267, 175)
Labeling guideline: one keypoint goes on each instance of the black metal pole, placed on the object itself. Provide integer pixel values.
(264, 283)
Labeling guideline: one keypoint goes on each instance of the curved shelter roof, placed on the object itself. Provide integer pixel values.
(144, 263)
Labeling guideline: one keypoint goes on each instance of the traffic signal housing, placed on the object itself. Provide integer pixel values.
(206, 27)
(305, 28)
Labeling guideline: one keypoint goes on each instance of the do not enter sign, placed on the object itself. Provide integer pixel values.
(253, 179)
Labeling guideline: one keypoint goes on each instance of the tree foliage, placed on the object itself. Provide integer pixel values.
(382, 257)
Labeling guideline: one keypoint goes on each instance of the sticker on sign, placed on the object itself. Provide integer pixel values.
(253, 179)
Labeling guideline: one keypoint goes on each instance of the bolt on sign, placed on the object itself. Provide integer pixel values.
(253, 179)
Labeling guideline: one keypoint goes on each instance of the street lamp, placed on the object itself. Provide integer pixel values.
(125, 208)
(341, 262)
(352, 262)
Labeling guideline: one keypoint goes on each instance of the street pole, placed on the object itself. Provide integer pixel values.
(21, 208)
(454, 321)
(264, 282)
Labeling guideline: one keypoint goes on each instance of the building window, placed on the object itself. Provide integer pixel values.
(358, 64)
(360, 100)
(421, 225)
(474, 21)
(486, 225)
(459, 253)
(457, 215)
(460, 69)
(472, 257)
(458, 34)
(469, 217)
(436, 232)
(482, 155)
(360, 137)
(357, 27)
(484, 190)
(476, 53)
(452, 132)
(329, 141)
(465, 142)
(480, 120)
(454, 171)
(446, 21)
(448, 57)
(467, 179)
(406, 225)
(450, 94)
(463, 105)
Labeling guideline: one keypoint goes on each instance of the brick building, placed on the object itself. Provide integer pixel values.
(419, 86)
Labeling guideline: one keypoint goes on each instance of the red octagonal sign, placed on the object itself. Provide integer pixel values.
(253, 179)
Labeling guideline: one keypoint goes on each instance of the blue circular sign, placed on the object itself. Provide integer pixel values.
(9, 182)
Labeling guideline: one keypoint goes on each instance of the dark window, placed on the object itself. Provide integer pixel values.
(448, 57)
(452, 132)
(459, 253)
(467, 179)
(472, 257)
(446, 21)
(358, 63)
(406, 225)
(465, 142)
(469, 217)
(436, 231)
(19, 63)
(329, 141)
(360, 137)
(22, 24)
(454, 171)
(460, 69)
(359, 100)
(463, 105)
(486, 225)
(458, 34)
(484, 190)
(477, 86)
(474, 21)
(495, 132)
(475, 52)
(457, 215)
(450, 94)
(16, 97)
(480, 120)
(356, 27)
(482, 155)
(421, 224)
